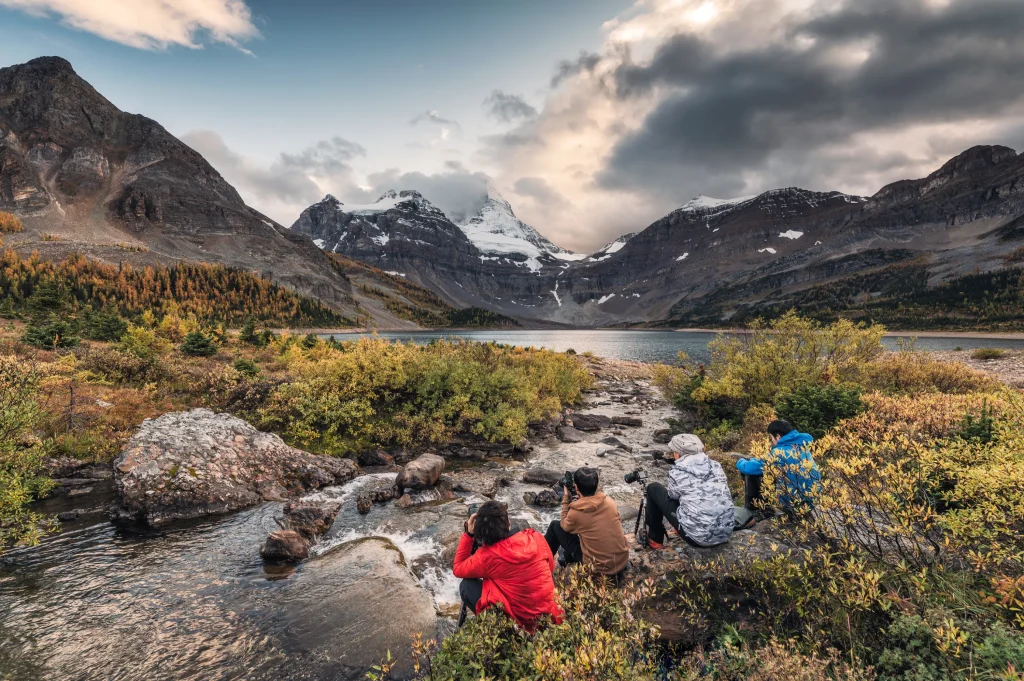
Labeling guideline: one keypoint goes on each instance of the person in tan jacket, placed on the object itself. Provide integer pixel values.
(590, 529)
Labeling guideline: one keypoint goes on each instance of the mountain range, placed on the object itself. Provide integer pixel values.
(87, 177)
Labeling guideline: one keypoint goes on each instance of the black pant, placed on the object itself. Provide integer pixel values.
(569, 542)
(752, 491)
(660, 507)
(471, 590)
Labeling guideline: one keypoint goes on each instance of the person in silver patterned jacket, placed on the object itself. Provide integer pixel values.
(697, 502)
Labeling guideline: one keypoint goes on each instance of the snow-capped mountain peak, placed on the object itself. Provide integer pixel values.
(495, 229)
(706, 203)
(611, 248)
(407, 199)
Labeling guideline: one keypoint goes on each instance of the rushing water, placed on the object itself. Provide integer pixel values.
(645, 346)
(196, 602)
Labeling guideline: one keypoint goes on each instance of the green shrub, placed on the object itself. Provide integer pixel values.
(104, 326)
(246, 367)
(815, 409)
(51, 334)
(21, 454)
(310, 341)
(988, 353)
(198, 344)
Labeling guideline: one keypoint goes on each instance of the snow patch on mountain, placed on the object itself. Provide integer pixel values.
(704, 203)
(496, 229)
(612, 248)
(791, 234)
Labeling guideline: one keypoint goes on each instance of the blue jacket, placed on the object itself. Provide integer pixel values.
(792, 454)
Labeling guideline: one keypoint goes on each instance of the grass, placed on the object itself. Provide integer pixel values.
(986, 354)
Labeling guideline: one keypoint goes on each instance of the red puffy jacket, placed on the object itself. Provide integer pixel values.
(516, 573)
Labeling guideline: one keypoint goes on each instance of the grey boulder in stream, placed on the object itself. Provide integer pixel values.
(196, 463)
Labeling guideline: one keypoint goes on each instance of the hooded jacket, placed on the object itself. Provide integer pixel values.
(595, 519)
(792, 455)
(516, 573)
(705, 513)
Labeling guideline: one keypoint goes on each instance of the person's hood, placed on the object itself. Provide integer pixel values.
(521, 547)
(694, 463)
(796, 439)
(591, 504)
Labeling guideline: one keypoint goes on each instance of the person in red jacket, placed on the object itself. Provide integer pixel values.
(511, 569)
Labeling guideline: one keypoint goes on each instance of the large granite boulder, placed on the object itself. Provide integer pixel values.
(195, 463)
(422, 472)
(285, 545)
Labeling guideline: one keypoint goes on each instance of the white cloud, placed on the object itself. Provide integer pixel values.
(152, 24)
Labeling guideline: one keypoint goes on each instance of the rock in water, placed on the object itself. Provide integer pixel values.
(311, 520)
(420, 473)
(569, 434)
(285, 545)
(195, 463)
(364, 503)
(590, 423)
(546, 498)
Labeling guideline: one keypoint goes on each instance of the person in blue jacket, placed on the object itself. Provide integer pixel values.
(791, 453)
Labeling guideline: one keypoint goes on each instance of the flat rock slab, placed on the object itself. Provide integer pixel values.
(350, 605)
(591, 423)
(569, 434)
(195, 463)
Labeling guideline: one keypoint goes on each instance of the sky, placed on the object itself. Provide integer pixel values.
(593, 118)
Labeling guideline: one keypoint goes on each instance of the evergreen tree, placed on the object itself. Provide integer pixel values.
(310, 341)
(248, 333)
(105, 326)
(198, 344)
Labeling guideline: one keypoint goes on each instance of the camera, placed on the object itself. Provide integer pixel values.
(567, 482)
(638, 475)
(471, 509)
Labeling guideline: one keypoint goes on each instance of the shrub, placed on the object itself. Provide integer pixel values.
(909, 372)
(144, 344)
(774, 360)
(105, 326)
(600, 638)
(373, 393)
(815, 409)
(10, 223)
(21, 454)
(246, 367)
(310, 341)
(988, 353)
(198, 344)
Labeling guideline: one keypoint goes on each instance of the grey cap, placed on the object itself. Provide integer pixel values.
(686, 444)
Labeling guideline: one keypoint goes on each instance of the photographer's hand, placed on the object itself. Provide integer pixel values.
(471, 524)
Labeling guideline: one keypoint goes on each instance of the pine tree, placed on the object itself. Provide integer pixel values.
(198, 344)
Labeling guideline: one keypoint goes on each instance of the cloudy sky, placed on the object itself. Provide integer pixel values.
(592, 117)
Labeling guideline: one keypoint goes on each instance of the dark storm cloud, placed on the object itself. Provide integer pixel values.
(721, 115)
(538, 189)
(586, 61)
(508, 108)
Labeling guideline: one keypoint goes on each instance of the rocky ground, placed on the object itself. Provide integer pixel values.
(1009, 368)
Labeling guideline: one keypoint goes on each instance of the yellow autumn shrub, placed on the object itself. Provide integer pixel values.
(372, 392)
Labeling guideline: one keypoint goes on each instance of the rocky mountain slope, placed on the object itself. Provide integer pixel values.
(85, 176)
(711, 261)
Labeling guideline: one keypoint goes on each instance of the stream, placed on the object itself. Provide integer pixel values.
(195, 600)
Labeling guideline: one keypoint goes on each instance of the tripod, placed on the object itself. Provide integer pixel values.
(641, 538)
(465, 609)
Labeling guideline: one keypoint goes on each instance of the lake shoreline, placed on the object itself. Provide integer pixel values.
(974, 335)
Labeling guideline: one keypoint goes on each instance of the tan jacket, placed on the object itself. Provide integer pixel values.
(596, 521)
